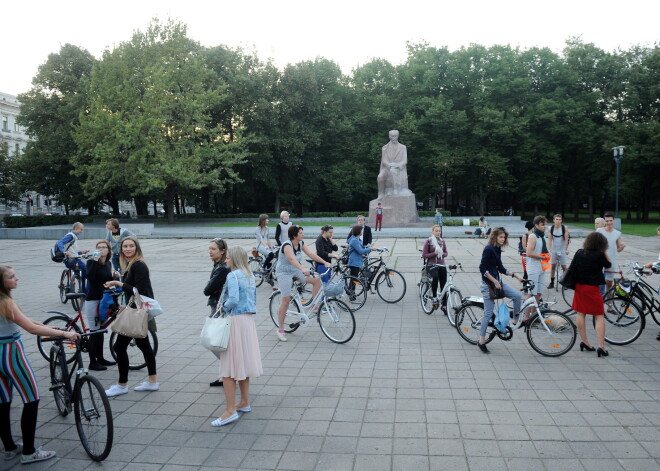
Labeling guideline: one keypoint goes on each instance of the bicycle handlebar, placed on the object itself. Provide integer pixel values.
(55, 338)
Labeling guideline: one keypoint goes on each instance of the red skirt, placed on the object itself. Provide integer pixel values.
(588, 300)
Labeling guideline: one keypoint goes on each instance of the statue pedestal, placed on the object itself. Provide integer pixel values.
(398, 210)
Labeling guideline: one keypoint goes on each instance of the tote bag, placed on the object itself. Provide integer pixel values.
(215, 333)
(132, 321)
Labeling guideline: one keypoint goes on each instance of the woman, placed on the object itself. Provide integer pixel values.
(536, 255)
(135, 276)
(324, 248)
(490, 268)
(435, 252)
(213, 289)
(262, 233)
(588, 264)
(282, 228)
(289, 267)
(483, 227)
(356, 250)
(99, 272)
(242, 359)
(15, 370)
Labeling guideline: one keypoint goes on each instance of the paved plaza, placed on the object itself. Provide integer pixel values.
(406, 393)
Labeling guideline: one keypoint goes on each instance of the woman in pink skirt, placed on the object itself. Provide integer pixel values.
(242, 359)
(588, 264)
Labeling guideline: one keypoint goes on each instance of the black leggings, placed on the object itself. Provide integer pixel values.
(121, 347)
(269, 257)
(28, 426)
(438, 274)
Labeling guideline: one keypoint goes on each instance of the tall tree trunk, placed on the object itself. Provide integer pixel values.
(170, 203)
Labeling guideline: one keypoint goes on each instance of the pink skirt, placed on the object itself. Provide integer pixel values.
(588, 300)
(242, 359)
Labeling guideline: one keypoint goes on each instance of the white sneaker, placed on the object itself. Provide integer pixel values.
(116, 390)
(147, 386)
(281, 336)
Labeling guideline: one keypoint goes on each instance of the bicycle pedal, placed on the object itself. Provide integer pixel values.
(56, 386)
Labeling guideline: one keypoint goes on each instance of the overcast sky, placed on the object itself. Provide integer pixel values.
(349, 32)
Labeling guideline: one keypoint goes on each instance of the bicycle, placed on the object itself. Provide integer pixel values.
(261, 274)
(71, 282)
(334, 317)
(77, 323)
(86, 397)
(558, 273)
(390, 284)
(450, 295)
(626, 309)
(550, 333)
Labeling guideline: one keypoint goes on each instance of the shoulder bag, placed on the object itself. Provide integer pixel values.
(569, 279)
(132, 321)
(216, 331)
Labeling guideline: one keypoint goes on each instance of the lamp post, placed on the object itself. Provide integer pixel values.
(618, 157)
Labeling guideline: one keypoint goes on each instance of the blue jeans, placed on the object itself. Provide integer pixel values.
(489, 304)
(82, 267)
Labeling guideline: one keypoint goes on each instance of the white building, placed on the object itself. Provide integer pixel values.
(13, 135)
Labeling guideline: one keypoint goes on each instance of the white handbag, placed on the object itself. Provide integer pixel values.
(152, 306)
(215, 333)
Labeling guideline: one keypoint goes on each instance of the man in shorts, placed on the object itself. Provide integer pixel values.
(558, 240)
(615, 245)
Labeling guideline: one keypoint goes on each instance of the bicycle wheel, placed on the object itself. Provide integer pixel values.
(93, 418)
(60, 321)
(391, 286)
(557, 339)
(426, 297)
(356, 292)
(624, 321)
(305, 291)
(76, 287)
(454, 301)
(135, 357)
(64, 286)
(336, 321)
(468, 323)
(567, 294)
(254, 264)
(291, 323)
(58, 381)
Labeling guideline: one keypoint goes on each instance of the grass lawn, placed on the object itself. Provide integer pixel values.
(637, 229)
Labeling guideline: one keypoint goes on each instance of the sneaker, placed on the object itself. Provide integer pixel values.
(147, 386)
(551, 285)
(116, 390)
(434, 300)
(281, 336)
(38, 455)
(10, 455)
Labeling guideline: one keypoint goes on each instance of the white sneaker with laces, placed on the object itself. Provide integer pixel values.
(116, 390)
(147, 386)
(281, 336)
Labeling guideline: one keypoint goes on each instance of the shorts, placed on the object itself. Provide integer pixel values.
(538, 278)
(562, 258)
(285, 282)
(91, 309)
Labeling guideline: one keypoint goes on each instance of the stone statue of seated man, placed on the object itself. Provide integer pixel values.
(393, 175)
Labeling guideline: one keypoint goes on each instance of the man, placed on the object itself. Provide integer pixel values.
(114, 236)
(68, 245)
(393, 176)
(379, 217)
(615, 245)
(439, 218)
(558, 240)
(366, 232)
(598, 223)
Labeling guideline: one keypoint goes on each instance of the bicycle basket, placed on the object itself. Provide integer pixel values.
(623, 288)
(334, 289)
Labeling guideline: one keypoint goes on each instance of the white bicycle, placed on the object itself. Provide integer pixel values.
(335, 318)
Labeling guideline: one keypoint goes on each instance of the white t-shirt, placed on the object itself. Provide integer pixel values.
(611, 237)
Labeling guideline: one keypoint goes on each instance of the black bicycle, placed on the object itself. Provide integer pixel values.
(71, 282)
(261, 273)
(390, 284)
(86, 396)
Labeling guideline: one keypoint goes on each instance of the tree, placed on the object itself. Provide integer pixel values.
(10, 192)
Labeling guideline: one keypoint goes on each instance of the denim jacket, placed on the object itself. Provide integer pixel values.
(356, 251)
(240, 294)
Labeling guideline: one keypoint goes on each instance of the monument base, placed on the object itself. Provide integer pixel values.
(398, 210)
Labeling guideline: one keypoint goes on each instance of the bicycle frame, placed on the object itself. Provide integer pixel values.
(306, 312)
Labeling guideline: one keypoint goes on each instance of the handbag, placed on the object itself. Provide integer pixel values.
(152, 306)
(216, 330)
(569, 279)
(132, 321)
(502, 318)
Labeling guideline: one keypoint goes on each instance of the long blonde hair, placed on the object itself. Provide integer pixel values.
(124, 263)
(239, 260)
(6, 300)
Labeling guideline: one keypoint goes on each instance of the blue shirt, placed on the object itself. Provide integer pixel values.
(240, 294)
(356, 251)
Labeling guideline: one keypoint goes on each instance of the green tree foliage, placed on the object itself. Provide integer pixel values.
(10, 191)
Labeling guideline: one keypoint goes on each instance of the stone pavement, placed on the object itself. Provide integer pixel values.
(406, 393)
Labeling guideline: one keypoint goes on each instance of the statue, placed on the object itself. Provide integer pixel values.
(393, 176)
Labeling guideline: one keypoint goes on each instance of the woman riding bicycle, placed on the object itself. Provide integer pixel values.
(435, 252)
(490, 268)
(262, 233)
(289, 267)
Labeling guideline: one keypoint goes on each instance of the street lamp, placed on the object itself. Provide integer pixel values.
(618, 157)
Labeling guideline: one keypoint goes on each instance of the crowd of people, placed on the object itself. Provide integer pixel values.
(118, 262)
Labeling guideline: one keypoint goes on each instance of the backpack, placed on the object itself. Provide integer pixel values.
(521, 249)
(502, 318)
(56, 255)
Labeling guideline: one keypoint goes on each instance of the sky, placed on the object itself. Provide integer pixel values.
(349, 32)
